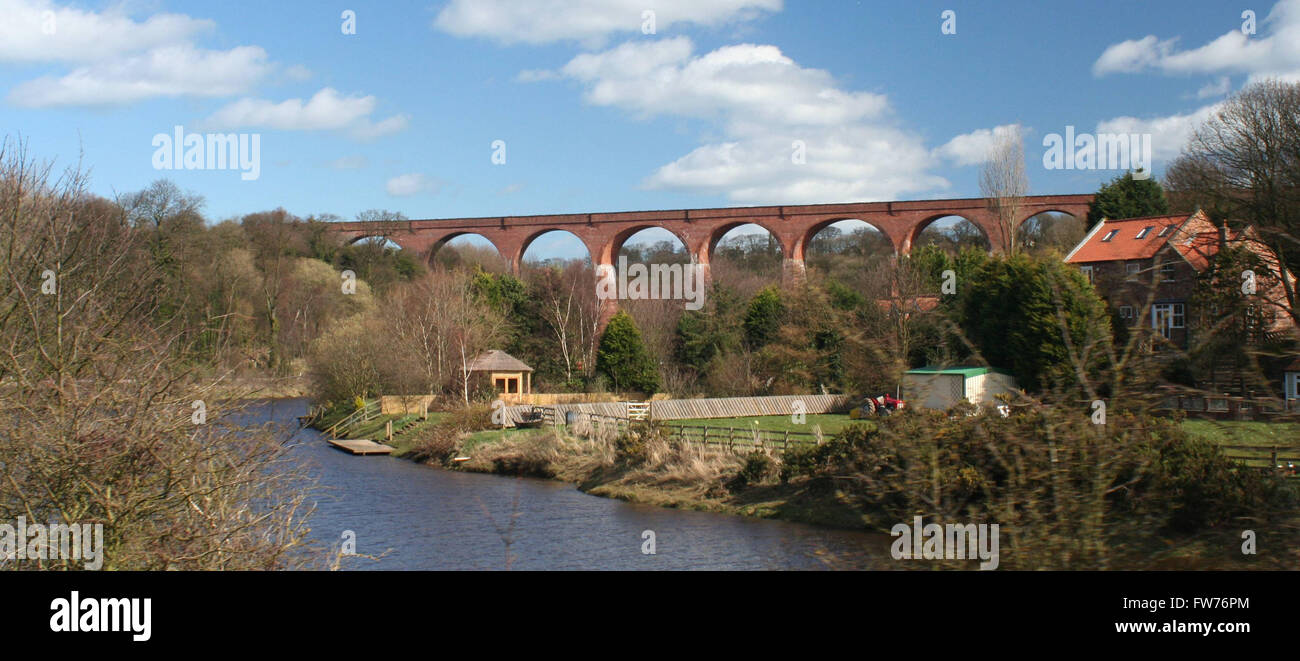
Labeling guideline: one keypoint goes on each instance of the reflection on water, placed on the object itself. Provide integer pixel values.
(429, 518)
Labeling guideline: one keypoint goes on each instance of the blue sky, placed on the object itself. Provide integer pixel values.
(597, 115)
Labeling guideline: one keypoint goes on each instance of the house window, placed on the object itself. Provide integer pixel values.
(1087, 271)
(501, 385)
(1165, 230)
(1126, 312)
(1167, 316)
(1144, 232)
(1133, 267)
(1167, 271)
(1109, 235)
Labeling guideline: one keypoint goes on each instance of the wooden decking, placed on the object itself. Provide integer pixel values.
(361, 446)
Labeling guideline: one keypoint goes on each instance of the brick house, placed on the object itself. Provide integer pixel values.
(1125, 259)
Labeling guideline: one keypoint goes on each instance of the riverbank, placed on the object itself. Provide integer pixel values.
(667, 474)
(662, 474)
(643, 465)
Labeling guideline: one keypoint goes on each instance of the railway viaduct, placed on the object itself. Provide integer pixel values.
(700, 229)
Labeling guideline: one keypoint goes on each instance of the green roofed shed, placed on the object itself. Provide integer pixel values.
(937, 387)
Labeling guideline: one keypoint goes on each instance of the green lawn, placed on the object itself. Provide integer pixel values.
(475, 439)
(1245, 432)
(830, 423)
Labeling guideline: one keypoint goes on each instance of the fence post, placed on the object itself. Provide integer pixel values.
(1273, 463)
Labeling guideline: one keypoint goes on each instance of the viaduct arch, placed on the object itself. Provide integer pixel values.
(699, 230)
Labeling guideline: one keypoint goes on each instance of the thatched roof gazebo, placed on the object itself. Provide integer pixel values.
(509, 375)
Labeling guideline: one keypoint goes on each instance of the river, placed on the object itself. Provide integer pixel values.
(422, 517)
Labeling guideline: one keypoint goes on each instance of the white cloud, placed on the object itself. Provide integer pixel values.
(1168, 134)
(1275, 54)
(349, 163)
(973, 148)
(367, 130)
(587, 21)
(536, 75)
(297, 73)
(1217, 88)
(40, 31)
(1132, 55)
(765, 103)
(744, 84)
(326, 110)
(169, 71)
(405, 185)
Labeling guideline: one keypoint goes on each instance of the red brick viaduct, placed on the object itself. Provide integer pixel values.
(700, 229)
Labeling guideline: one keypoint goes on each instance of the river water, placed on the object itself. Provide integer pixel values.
(422, 517)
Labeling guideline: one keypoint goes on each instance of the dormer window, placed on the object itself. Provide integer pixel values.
(1109, 235)
(1166, 230)
(1145, 231)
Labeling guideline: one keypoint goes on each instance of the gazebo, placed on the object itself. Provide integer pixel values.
(509, 375)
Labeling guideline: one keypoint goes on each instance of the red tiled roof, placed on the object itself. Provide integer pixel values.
(1198, 249)
(1125, 245)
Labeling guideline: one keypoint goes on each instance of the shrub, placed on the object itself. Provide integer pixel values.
(756, 467)
(1067, 493)
(476, 417)
(439, 445)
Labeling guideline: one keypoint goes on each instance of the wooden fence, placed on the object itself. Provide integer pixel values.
(1278, 455)
(734, 439)
(704, 408)
(722, 438)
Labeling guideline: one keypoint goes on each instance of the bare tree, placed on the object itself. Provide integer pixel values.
(98, 416)
(1004, 183)
(1243, 164)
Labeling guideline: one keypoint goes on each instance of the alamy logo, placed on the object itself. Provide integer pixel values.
(90, 614)
(1103, 151)
(656, 282)
(209, 151)
(56, 541)
(954, 541)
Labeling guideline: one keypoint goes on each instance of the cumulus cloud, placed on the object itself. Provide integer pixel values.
(789, 133)
(586, 21)
(405, 185)
(1273, 53)
(326, 110)
(40, 31)
(169, 71)
(973, 148)
(117, 59)
(1168, 134)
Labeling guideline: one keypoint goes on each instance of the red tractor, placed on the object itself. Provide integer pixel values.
(881, 405)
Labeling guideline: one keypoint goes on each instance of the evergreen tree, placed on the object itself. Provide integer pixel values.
(1128, 197)
(623, 358)
(763, 317)
(1012, 313)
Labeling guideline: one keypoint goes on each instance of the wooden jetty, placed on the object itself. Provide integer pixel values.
(361, 446)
